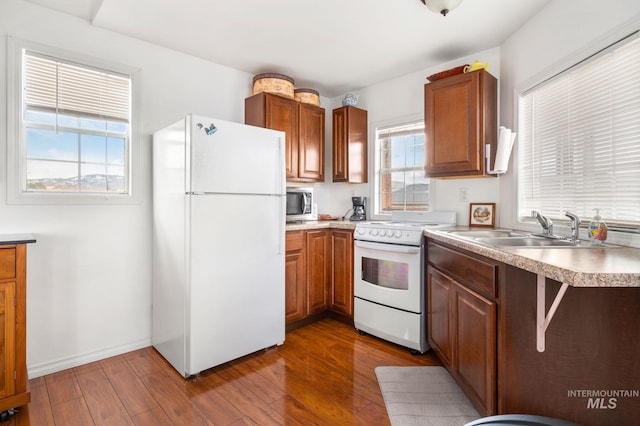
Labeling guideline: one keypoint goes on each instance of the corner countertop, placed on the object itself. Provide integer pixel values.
(6, 239)
(320, 224)
(609, 266)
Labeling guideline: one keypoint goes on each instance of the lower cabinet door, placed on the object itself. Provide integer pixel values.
(476, 357)
(295, 287)
(7, 340)
(440, 318)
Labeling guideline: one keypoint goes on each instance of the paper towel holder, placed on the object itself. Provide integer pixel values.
(487, 156)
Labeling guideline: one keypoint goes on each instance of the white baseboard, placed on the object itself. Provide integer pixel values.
(42, 369)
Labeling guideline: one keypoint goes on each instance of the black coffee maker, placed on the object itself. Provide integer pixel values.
(359, 212)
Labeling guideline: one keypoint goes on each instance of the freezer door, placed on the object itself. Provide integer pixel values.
(227, 157)
(237, 277)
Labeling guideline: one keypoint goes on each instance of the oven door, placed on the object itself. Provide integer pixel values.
(388, 274)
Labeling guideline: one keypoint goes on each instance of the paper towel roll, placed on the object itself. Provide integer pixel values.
(506, 138)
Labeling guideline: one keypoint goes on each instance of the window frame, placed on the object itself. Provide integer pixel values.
(377, 213)
(621, 233)
(16, 138)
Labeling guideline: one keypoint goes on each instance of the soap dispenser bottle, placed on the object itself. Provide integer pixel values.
(597, 230)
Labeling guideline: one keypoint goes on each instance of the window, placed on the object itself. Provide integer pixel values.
(400, 183)
(579, 136)
(72, 128)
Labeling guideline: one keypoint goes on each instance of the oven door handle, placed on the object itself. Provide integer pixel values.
(387, 247)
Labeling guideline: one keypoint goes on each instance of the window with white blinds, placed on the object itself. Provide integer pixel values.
(579, 140)
(400, 180)
(75, 127)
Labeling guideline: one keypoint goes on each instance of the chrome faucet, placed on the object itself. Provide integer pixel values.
(575, 226)
(547, 224)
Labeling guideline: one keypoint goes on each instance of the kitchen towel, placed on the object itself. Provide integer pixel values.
(423, 395)
(506, 138)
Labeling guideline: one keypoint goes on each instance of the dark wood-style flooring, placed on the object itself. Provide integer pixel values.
(322, 375)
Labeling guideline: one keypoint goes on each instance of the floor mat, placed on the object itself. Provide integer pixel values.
(424, 396)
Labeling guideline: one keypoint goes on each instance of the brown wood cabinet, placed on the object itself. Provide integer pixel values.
(318, 263)
(341, 288)
(350, 145)
(462, 320)
(303, 125)
(310, 143)
(295, 277)
(14, 387)
(318, 276)
(460, 115)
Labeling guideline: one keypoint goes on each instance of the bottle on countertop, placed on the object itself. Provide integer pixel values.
(597, 230)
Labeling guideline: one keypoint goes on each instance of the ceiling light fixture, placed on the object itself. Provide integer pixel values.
(441, 6)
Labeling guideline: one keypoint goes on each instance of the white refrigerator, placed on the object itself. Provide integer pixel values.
(218, 248)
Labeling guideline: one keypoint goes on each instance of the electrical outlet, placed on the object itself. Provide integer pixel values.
(463, 194)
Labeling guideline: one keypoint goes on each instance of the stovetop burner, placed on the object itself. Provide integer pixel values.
(405, 228)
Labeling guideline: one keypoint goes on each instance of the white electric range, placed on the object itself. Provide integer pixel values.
(389, 295)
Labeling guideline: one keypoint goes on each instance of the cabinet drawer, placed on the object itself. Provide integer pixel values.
(7, 263)
(295, 241)
(473, 272)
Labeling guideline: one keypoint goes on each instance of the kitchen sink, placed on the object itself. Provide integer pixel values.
(511, 238)
(485, 233)
(530, 242)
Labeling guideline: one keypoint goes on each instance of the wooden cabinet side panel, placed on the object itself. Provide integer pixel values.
(317, 271)
(476, 354)
(22, 384)
(311, 142)
(342, 272)
(439, 315)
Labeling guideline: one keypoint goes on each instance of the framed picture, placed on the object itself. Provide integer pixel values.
(482, 214)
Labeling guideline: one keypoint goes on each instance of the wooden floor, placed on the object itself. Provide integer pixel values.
(322, 375)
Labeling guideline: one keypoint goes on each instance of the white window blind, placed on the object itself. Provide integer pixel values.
(75, 128)
(52, 85)
(579, 140)
(401, 184)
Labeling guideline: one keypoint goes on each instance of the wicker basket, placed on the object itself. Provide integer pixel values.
(279, 84)
(307, 96)
(448, 73)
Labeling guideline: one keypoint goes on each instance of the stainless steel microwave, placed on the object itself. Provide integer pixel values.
(300, 204)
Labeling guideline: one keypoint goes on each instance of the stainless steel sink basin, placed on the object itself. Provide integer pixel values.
(511, 238)
(529, 242)
(487, 233)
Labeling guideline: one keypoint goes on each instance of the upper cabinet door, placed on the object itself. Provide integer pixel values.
(311, 143)
(303, 125)
(278, 113)
(350, 145)
(460, 118)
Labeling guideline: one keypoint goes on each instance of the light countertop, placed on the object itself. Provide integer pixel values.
(609, 266)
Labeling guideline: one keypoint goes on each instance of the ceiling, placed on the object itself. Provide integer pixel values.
(333, 46)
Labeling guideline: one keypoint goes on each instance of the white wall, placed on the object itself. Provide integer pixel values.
(563, 33)
(89, 274)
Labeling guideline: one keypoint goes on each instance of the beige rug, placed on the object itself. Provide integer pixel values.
(424, 396)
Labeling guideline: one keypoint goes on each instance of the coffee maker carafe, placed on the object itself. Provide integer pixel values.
(359, 213)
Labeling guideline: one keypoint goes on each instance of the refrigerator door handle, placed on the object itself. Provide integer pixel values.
(283, 213)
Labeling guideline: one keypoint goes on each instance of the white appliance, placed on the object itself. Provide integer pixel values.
(218, 249)
(388, 280)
